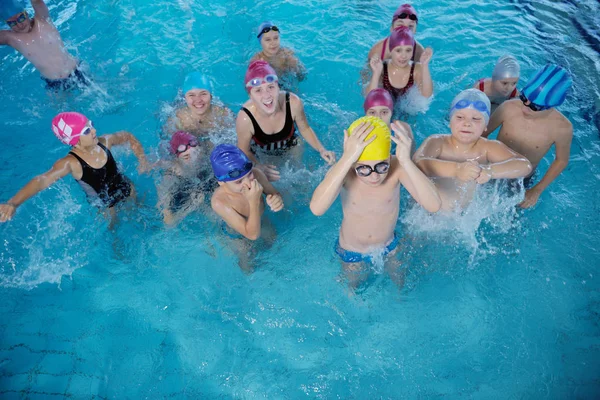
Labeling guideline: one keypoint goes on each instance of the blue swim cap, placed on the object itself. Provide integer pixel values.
(229, 163)
(549, 86)
(474, 99)
(196, 80)
(261, 27)
(10, 8)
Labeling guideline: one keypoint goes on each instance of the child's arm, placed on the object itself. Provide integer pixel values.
(504, 163)
(40, 9)
(306, 131)
(417, 184)
(59, 170)
(122, 137)
(328, 190)
(248, 227)
(274, 199)
(377, 69)
(4, 37)
(496, 120)
(426, 84)
(427, 159)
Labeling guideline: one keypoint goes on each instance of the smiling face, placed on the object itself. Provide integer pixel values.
(401, 55)
(198, 100)
(20, 22)
(265, 97)
(504, 87)
(467, 125)
(270, 43)
(382, 112)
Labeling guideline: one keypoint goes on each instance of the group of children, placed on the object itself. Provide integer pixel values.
(442, 174)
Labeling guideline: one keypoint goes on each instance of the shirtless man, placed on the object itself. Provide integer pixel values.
(39, 42)
(502, 85)
(531, 125)
(282, 59)
(463, 159)
(369, 180)
(200, 116)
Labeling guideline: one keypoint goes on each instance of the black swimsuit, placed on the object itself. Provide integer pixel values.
(106, 183)
(284, 139)
(184, 188)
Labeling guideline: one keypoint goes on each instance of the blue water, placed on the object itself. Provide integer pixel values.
(501, 304)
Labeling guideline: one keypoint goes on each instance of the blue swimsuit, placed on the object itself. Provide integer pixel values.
(348, 256)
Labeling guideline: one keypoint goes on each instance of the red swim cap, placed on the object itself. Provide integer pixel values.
(406, 9)
(67, 127)
(258, 69)
(378, 97)
(179, 138)
(402, 36)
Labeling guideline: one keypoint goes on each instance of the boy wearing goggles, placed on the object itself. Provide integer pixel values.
(38, 40)
(463, 159)
(282, 59)
(531, 125)
(369, 180)
(238, 200)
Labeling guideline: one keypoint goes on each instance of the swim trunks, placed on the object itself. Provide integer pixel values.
(105, 186)
(76, 78)
(394, 91)
(348, 256)
(282, 140)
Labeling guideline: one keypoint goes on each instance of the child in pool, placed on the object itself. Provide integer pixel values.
(185, 183)
(399, 74)
(369, 181)
(90, 162)
(282, 59)
(238, 200)
(502, 85)
(463, 159)
(200, 116)
(379, 103)
(38, 40)
(531, 125)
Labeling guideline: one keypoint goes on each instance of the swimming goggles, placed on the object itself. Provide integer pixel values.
(477, 105)
(236, 173)
(532, 106)
(366, 170)
(412, 17)
(87, 129)
(22, 16)
(259, 81)
(183, 147)
(267, 29)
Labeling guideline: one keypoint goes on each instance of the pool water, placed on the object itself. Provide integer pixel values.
(500, 303)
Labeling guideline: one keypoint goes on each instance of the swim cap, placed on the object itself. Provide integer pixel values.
(549, 86)
(258, 69)
(378, 97)
(378, 149)
(196, 80)
(402, 36)
(10, 8)
(67, 127)
(506, 67)
(179, 138)
(405, 9)
(266, 24)
(229, 163)
(474, 99)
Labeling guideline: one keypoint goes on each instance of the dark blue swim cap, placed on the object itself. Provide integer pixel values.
(229, 163)
(549, 86)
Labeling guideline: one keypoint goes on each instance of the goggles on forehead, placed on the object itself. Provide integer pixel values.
(477, 105)
(259, 81)
(267, 29)
(87, 129)
(236, 173)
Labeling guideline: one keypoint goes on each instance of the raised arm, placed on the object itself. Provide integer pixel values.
(496, 120)
(306, 131)
(124, 137)
(59, 170)
(427, 159)
(376, 66)
(4, 38)
(561, 160)
(329, 189)
(426, 83)
(41, 9)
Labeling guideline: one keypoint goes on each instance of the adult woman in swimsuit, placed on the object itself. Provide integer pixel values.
(267, 120)
(90, 162)
(399, 74)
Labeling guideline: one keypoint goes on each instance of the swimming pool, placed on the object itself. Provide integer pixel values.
(503, 305)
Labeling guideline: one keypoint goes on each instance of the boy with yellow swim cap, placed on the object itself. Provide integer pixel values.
(369, 180)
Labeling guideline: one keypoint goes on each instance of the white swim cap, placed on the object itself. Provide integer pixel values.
(506, 67)
(474, 99)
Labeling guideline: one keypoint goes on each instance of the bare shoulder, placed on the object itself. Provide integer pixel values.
(6, 37)
(218, 200)
(562, 123)
(376, 49)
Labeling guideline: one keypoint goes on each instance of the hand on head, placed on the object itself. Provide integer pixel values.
(355, 144)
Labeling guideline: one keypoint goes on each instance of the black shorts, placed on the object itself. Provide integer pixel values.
(75, 79)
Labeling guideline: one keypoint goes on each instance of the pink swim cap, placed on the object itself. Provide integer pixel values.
(378, 97)
(402, 36)
(258, 69)
(67, 127)
(179, 138)
(406, 9)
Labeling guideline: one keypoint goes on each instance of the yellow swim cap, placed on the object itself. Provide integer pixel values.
(378, 149)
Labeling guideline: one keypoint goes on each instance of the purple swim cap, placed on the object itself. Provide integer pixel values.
(402, 36)
(229, 163)
(378, 97)
(179, 138)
